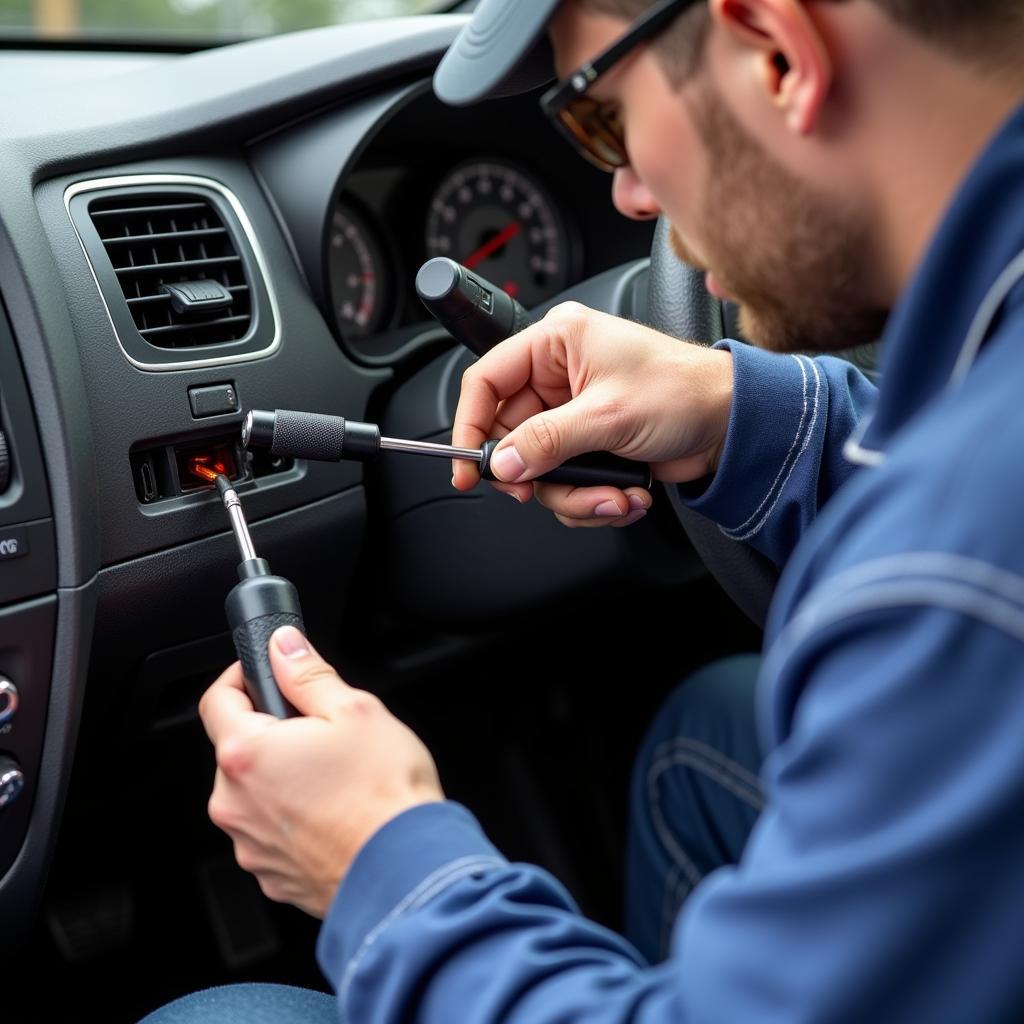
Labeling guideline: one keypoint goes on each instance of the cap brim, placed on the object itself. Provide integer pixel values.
(504, 50)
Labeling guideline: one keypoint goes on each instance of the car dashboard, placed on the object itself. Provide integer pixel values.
(183, 238)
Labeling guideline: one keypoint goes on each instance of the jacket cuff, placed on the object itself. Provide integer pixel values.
(407, 862)
(770, 422)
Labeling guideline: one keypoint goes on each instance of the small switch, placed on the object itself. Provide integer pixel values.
(216, 400)
(13, 542)
(8, 700)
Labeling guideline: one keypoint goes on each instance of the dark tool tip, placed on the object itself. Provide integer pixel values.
(223, 485)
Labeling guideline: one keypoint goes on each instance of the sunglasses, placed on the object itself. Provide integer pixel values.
(593, 127)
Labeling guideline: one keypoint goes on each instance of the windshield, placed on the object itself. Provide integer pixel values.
(208, 21)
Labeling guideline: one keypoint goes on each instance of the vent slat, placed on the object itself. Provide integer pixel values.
(162, 238)
(148, 268)
(195, 325)
(124, 211)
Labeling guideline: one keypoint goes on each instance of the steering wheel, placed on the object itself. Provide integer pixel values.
(680, 305)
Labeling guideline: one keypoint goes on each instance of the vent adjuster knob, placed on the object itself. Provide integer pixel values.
(195, 298)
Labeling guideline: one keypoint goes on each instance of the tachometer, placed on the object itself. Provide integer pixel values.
(358, 274)
(496, 219)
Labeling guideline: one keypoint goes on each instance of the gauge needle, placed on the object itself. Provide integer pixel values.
(503, 237)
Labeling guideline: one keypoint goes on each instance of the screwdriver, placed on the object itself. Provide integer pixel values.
(255, 607)
(322, 438)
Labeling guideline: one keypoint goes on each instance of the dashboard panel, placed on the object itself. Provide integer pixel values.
(493, 186)
(331, 152)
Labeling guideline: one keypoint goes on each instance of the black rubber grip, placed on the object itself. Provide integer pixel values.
(597, 469)
(255, 608)
(252, 640)
(308, 435)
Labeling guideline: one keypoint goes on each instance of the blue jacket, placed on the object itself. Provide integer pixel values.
(885, 879)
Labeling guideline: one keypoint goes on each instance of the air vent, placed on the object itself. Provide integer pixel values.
(158, 239)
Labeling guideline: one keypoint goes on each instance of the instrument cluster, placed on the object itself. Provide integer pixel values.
(496, 216)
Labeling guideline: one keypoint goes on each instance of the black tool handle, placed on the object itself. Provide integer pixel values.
(597, 469)
(471, 309)
(256, 607)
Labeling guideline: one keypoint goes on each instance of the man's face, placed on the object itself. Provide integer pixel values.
(797, 260)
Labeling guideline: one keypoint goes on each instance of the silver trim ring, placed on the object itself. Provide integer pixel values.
(132, 180)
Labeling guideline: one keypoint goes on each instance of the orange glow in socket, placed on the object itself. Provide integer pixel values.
(199, 466)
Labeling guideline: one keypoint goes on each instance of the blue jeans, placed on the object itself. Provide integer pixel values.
(695, 799)
(695, 796)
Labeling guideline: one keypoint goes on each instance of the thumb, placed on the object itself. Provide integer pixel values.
(305, 679)
(542, 442)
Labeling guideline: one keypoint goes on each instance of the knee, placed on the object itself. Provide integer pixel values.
(714, 705)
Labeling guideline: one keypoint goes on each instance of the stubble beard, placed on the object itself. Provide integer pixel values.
(796, 261)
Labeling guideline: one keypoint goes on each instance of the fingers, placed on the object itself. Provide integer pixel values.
(496, 376)
(225, 707)
(305, 679)
(510, 414)
(594, 506)
(589, 423)
(535, 359)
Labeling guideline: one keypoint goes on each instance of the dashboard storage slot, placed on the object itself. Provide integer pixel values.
(181, 469)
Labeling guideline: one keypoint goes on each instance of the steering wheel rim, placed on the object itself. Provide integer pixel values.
(680, 305)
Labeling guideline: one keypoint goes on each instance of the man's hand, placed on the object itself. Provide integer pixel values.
(581, 381)
(300, 797)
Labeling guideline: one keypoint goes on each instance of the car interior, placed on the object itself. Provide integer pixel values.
(308, 176)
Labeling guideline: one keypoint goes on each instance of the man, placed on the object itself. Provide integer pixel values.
(823, 161)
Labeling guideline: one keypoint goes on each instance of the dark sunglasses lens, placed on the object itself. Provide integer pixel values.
(597, 133)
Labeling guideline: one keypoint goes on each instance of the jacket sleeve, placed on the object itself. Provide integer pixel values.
(783, 456)
(856, 899)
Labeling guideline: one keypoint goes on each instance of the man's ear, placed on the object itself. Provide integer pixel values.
(792, 60)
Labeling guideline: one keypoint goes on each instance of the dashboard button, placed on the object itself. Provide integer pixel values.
(13, 542)
(8, 700)
(215, 400)
(11, 780)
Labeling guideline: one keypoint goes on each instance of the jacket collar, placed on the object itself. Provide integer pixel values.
(975, 263)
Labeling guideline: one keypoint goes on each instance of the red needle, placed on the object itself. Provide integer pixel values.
(488, 248)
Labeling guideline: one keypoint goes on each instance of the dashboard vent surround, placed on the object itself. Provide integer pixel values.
(157, 239)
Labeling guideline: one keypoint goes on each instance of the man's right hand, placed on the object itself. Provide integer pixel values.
(581, 381)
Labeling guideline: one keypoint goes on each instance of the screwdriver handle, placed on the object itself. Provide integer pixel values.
(255, 608)
(596, 469)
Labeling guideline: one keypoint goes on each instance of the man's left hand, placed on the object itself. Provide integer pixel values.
(300, 797)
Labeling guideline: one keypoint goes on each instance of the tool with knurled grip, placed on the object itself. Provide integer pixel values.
(259, 604)
(322, 438)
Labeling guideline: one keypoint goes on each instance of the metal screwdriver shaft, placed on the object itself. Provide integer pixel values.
(437, 451)
(238, 524)
(307, 435)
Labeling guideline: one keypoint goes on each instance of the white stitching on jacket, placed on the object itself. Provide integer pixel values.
(436, 882)
(734, 534)
(968, 598)
(983, 319)
(785, 461)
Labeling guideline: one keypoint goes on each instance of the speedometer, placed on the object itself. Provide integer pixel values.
(498, 220)
(358, 274)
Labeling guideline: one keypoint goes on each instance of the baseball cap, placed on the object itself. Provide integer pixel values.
(503, 50)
